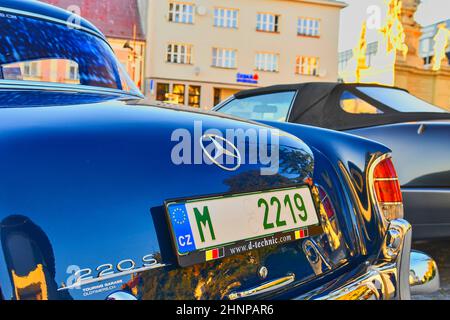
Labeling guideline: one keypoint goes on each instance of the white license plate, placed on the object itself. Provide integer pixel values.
(213, 228)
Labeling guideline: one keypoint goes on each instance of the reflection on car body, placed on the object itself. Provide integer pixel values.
(88, 177)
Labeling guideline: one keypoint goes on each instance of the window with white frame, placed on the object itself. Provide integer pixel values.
(181, 12)
(224, 58)
(344, 59)
(307, 66)
(30, 69)
(426, 46)
(267, 22)
(266, 61)
(426, 50)
(308, 27)
(73, 71)
(371, 53)
(226, 18)
(179, 53)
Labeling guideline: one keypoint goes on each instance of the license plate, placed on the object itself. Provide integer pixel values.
(213, 228)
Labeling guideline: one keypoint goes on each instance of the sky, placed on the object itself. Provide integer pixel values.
(352, 17)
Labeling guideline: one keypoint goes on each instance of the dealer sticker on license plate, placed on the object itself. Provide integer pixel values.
(212, 228)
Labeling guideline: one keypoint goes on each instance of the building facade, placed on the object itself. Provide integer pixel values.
(426, 48)
(199, 52)
(415, 71)
(427, 42)
(120, 22)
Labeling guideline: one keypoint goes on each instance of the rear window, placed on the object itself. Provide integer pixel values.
(64, 71)
(352, 104)
(271, 107)
(37, 50)
(399, 100)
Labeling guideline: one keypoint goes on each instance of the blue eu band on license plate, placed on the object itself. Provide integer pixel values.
(182, 228)
(212, 228)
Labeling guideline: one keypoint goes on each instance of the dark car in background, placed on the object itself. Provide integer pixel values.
(99, 201)
(417, 132)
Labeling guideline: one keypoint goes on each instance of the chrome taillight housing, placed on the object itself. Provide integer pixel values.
(385, 188)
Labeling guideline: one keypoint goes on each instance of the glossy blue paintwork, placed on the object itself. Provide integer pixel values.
(349, 156)
(93, 178)
(84, 179)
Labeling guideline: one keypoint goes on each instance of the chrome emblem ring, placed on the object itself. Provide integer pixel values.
(220, 148)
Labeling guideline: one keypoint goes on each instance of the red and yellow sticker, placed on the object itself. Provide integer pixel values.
(215, 254)
(301, 234)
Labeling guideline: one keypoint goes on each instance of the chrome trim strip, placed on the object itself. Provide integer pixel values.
(264, 288)
(403, 261)
(431, 224)
(361, 289)
(385, 179)
(391, 203)
(61, 87)
(291, 107)
(121, 296)
(223, 103)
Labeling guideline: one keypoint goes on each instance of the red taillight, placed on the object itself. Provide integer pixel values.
(387, 190)
(385, 170)
(327, 205)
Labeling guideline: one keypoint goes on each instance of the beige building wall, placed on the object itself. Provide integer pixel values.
(203, 36)
(431, 86)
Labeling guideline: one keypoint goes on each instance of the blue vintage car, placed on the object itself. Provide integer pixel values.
(103, 196)
(416, 131)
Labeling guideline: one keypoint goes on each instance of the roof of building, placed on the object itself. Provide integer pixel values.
(429, 31)
(37, 8)
(334, 3)
(115, 18)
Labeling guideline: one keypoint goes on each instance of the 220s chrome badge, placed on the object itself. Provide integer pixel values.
(81, 277)
(221, 152)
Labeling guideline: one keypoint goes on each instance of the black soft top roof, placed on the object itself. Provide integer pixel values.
(318, 104)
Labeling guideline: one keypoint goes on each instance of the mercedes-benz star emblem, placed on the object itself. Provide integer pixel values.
(219, 151)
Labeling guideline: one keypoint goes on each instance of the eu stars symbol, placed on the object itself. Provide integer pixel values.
(181, 228)
(179, 216)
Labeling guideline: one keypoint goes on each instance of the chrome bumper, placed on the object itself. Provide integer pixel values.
(424, 274)
(397, 272)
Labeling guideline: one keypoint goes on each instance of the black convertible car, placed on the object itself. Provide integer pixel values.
(416, 131)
